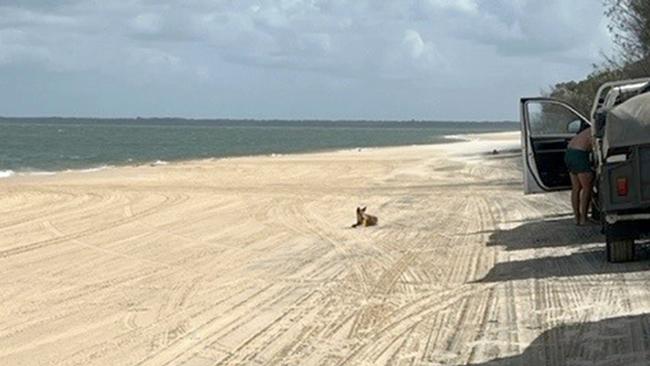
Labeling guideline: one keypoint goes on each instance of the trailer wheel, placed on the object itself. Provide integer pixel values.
(619, 250)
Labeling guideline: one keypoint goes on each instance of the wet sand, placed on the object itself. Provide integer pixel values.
(252, 261)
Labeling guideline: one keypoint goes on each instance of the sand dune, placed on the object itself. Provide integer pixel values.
(251, 261)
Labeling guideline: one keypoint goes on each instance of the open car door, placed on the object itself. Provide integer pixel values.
(547, 125)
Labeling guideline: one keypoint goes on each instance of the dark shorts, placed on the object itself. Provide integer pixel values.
(577, 161)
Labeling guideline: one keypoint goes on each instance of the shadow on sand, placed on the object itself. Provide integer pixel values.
(623, 341)
(554, 234)
(546, 233)
(587, 263)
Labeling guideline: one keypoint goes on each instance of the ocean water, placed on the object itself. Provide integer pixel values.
(44, 145)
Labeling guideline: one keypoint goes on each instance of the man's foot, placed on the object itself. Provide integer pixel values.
(587, 222)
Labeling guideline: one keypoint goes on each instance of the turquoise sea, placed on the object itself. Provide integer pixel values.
(32, 145)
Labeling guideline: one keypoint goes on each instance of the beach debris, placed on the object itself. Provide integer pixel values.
(365, 220)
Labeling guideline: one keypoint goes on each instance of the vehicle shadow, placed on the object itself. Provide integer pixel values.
(588, 257)
(622, 341)
(586, 263)
(545, 234)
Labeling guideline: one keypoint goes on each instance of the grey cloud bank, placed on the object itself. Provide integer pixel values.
(421, 59)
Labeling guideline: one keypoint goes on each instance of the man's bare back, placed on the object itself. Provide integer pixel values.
(581, 141)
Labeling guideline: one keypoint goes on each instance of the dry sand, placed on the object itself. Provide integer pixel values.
(251, 261)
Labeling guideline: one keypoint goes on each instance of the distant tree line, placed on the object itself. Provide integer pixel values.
(630, 29)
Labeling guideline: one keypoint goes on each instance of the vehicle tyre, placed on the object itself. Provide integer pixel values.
(619, 250)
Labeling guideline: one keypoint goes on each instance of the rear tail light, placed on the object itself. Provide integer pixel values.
(622, 187)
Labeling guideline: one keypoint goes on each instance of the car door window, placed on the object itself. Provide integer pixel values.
(551, 119)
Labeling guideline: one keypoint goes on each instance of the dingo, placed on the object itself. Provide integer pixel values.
(364, 219)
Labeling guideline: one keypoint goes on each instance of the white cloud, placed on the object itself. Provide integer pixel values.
(414, 43)
(428, 49)
(15, 48)
(147, 23)
(152, 57)
(19, 17)
(318, 42)
(550, 29)
(465, 6)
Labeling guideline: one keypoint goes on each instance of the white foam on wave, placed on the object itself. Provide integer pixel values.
(91, 170)
(39, 173)
(6, 173)
(11, 173)
(32, 173)
(460, 137)
(159, 162)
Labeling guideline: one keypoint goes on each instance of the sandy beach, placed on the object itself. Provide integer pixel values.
(252, 261)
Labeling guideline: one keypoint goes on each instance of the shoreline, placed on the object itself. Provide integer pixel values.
(448, 139)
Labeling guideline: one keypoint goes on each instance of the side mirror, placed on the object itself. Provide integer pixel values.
(574, 126)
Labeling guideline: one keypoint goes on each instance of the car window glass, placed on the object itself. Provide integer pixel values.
(548, 118)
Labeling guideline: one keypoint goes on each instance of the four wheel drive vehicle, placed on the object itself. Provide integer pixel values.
(620, 127)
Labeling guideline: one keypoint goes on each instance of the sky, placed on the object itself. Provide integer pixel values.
(292, 59)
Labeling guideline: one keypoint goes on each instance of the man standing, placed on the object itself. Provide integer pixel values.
(577, 160)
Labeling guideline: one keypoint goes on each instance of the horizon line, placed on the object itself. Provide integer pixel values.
(224, 119)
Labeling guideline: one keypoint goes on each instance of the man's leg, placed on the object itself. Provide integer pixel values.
(575, 196)
(586, 181)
